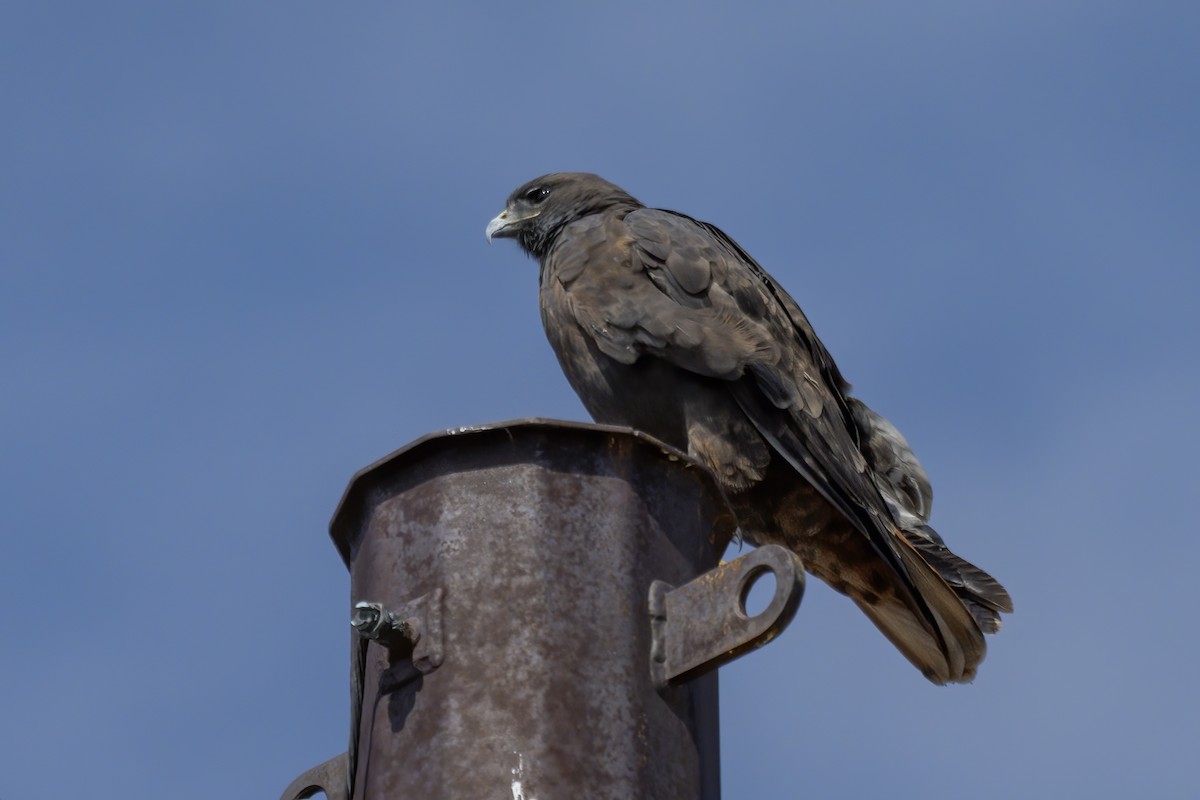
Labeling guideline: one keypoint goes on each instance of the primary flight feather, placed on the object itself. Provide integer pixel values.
(665, 324)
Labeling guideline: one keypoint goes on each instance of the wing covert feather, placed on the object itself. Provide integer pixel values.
(796, 377)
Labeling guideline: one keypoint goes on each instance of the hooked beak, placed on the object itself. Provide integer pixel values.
(505, 225)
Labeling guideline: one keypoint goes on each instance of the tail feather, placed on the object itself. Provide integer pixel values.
(910, 635)
(942, 633)
(905, 488)
(960, 635)
(987, 618)
(929, 621)
(933, 606)
(979, 591)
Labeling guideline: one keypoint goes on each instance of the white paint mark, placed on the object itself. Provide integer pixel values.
(518, 789)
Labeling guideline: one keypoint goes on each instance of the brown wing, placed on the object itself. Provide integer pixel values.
(794, 392)
(687, 294)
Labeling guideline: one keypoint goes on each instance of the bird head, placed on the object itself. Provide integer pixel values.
(538, 210)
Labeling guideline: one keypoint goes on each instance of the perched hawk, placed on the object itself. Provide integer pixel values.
(665, 324)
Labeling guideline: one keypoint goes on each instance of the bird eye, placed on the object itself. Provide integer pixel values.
(537, 194)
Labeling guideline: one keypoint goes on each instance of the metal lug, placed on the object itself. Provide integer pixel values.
(703, 624)
(328, 777)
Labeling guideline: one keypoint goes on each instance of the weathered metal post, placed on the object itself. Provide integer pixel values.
(538, 614)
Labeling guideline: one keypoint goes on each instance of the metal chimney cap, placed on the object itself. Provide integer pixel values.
(355, 500)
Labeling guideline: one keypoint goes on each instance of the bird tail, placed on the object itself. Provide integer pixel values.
(982, 594)
(937, 617)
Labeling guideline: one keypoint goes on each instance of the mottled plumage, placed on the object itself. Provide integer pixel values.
(663, 323)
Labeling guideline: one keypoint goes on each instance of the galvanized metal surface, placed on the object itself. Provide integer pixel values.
(501, 581)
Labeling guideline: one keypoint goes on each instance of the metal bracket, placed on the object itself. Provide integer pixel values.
(703, 624)
(413, 630)
(329, 777)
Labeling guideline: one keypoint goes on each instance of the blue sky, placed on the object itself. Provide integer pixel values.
(242, 255)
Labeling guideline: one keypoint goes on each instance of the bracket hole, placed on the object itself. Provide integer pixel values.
(758, 589)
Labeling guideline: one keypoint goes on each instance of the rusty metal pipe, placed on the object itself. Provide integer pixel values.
(528, 620)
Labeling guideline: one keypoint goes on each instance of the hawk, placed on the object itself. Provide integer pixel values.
(665, 324)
